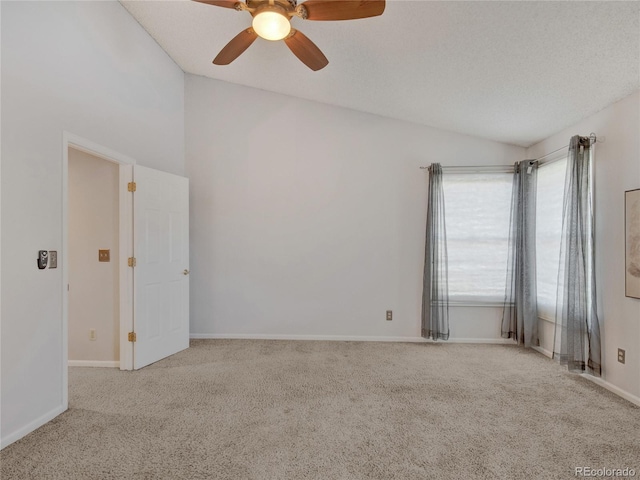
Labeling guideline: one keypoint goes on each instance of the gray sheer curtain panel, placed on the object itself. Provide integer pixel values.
(435, 289)
(520, 312)
(576, 310)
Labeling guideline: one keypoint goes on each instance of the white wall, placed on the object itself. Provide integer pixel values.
(90, 69)
(617, 168)
(93, 285)
(309, 219)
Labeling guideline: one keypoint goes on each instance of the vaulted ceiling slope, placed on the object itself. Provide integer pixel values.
(514, 72)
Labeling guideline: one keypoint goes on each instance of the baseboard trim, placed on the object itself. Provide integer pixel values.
(612, 388)
(598, 381)
(94, 363)
(543, 351)
(30, 427)
(343, 338)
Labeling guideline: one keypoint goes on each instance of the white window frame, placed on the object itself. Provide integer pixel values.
(479, 302)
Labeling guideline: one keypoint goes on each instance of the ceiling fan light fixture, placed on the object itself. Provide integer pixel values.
(271, 25)
(272, 21)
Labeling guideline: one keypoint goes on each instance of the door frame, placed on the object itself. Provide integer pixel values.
(125, 222)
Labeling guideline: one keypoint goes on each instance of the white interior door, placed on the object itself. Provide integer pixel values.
(161, 272)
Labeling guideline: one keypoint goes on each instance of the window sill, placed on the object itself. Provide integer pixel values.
(547, 319)
(477, 303)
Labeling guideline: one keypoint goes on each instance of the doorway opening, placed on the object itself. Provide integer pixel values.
(78, 330)
(93, 259)
(112, 235)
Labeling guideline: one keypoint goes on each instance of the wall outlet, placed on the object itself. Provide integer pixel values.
(104, 255)
(389, 315)
(92, 334)
(621, 355)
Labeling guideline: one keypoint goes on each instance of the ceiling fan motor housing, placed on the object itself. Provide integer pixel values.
(266, 7)
(288, 5)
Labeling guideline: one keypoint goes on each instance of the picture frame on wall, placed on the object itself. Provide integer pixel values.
(632, 242)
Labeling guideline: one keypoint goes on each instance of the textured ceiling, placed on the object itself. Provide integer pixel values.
(515, 72)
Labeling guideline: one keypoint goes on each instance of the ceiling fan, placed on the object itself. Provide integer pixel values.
(272, 21)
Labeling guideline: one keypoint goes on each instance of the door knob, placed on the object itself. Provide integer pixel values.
(185, 272)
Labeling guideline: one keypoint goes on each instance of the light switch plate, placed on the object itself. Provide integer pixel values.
(104, 255)
(53, 259)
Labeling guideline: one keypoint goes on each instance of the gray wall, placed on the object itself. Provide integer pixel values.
(308, 219)
(90, 69)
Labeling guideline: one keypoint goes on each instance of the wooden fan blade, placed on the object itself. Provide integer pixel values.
(219, 3)
(235, 47)
(343, 9)
(306, 51)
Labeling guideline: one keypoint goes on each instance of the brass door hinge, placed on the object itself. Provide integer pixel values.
(131, 186)
(131, 261)
(132, 336)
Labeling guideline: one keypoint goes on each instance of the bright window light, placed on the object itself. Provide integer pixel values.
(478, 208)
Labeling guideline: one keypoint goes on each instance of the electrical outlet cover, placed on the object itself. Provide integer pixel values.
(53, 259)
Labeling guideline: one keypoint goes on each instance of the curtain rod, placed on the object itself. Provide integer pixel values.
(592, 137)
(474, 169)
(509, 168)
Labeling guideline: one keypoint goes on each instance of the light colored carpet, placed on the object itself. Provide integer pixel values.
(251, 409)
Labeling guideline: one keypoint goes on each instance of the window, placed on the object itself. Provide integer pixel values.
(477, 212)
(549, 204)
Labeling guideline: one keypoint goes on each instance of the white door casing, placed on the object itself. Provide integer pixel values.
(161, 272)
(70, 140)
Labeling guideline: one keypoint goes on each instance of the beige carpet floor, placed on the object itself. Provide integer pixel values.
(243, 409)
